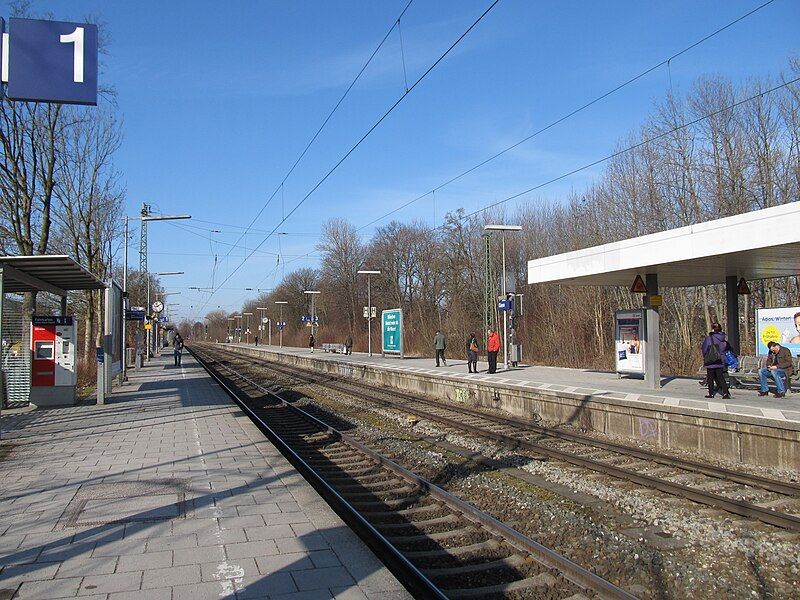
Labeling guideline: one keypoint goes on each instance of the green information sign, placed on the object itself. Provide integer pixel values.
(392, 331)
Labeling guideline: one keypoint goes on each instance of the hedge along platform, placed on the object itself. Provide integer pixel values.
(761, 431)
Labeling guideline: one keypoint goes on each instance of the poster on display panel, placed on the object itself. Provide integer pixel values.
(780, 325)
(628, 336)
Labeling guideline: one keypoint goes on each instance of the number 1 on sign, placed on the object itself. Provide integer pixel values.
(76, 37)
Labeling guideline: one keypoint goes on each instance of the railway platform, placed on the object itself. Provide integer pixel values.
(745, 428)
(167, 491)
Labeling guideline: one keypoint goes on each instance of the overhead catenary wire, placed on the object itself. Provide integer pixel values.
(667, 61)
(366, 134)
(324, 123)
(630, 148)
(614, 154)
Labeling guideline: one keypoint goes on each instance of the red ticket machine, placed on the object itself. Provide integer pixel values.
(53, 375)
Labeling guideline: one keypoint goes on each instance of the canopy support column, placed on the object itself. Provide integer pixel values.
(2, 374)
(63, 306)
(652, 367)
(732, 311)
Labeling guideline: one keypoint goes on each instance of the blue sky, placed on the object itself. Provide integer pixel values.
(218, 100)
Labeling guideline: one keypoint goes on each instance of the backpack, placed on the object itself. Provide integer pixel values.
(712, 355)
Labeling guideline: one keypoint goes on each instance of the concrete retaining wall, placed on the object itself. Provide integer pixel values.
(739, 438)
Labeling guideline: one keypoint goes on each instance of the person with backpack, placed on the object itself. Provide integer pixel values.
(472, 353)
(714, 347)
(177, 347)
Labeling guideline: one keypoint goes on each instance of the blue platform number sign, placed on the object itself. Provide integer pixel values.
(51, 61)
(392, 330)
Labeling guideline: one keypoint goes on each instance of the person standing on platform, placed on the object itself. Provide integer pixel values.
(714, 346)
(779, 367)
(492, 348)
(348, 345)
(256, 340)
(472, 353)
(439, 344)
(311, 342)
(177, 347)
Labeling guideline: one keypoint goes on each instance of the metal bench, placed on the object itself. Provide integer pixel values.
(340, 348)
(747, 375)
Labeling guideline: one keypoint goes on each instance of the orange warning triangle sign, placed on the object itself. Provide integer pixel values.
(638, 286)
(743, 288)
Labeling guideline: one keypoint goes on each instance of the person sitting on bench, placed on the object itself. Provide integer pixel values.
(779, 366)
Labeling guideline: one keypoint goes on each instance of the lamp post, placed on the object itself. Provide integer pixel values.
(247, 327)
(238, 328)
(261, 310)
(153, 344)
(144, 218)
(125, 306)
(167, 305)
(502, 229)
(369, 306)
(280, 320)
(313, 295)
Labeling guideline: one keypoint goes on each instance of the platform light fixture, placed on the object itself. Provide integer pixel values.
(369, 274)
(313, 294)
(280, 319)
(261, 310)
(502, 228)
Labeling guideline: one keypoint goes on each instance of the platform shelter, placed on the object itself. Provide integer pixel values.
(762, 244)
(55, 274)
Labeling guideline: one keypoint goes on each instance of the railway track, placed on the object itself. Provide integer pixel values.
(437, 544)
(703, 483)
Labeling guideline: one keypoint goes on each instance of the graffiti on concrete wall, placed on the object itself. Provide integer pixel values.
(647, 427)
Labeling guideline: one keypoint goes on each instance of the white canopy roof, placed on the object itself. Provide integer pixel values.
(757, 245)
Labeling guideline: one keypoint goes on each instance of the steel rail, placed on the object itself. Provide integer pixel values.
(773, 485)
(738, 507)
(545, 556)
(411, 577)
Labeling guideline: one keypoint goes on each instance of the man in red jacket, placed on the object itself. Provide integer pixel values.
(492, 348)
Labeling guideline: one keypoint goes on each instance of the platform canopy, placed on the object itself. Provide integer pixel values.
(57, 274)
(757, 245)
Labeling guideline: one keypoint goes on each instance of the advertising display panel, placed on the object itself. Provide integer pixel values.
(780, 325)
(628, 344)
(392, 331)
(113, 328)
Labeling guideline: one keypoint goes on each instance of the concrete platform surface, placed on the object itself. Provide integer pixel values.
(677, 392)
(167, 492)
